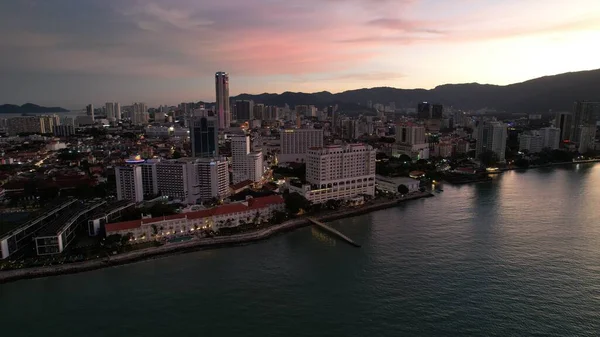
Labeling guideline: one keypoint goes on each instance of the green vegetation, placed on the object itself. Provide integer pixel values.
(488, 158)
(403, 189)
(294, 202)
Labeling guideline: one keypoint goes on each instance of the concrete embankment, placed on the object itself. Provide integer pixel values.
(196, 243)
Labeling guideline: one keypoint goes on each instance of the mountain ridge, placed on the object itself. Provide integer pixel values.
(551, 92)
(28, 108)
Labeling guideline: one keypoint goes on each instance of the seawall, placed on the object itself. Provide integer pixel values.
(196, 244)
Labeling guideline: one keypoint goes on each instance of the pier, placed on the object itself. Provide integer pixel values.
(332, 231)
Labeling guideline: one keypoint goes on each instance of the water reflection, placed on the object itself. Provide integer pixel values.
(322, 236)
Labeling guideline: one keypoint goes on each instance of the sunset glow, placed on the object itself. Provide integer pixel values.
(69, 52)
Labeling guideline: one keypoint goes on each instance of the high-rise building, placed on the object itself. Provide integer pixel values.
(149, 177)
(491, 136)
(296, 142)
(63, 130)
(89, 109)
(585, 114)
(129, 183)
(117, 107)
(244, 110)
(213, 178)
(551, 137)
(240, 148)
(563, 121)
(139, 114)
(410, 134)
(424, 110)
(222, 99)
(340, 172)
(259, 111)
(177, 179)
(271, 113)
(48, 122)
(587, 138)
(437, 111)
(204, 137)
(25, 124)
(532, 142)
(255, 166)
(110, 111)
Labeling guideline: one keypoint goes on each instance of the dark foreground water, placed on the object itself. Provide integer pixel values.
(513, 257)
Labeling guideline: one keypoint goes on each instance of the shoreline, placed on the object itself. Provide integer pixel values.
(196, 244)
(588, 161)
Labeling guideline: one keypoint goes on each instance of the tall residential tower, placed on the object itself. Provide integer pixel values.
(222, 103)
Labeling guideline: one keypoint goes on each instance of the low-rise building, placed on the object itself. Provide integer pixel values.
(391, 184)
(225, 216)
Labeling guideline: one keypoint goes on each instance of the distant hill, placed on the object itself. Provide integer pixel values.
(28, 108)
(556, 92)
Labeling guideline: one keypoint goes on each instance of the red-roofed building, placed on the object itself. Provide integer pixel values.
(229, 215)
(241, 186)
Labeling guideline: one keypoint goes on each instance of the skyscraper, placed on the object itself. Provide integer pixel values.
(243, 110)
(213, 178)
(110, 111)
(585, 115)
(89, 109)
(424, 110)
(258, 111)
(563, 122)
(296, 142)
(129, 183)
(117, 108)
(222, 99)
(204, 137)
(240, 148)
(491, 136)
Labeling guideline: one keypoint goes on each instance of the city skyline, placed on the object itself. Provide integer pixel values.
(167, 51)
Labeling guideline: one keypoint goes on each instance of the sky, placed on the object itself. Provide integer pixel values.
(74, 52)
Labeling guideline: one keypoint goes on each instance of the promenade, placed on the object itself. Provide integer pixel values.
(200, 243)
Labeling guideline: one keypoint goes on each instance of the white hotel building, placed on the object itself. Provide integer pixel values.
(338, 172)
(129, 183)
(226, 216)
(296, 142)
(213, 178)
(246, 165)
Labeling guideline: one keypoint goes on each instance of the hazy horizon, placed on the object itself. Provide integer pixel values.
(69, 52)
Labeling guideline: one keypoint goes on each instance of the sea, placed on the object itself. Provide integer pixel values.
(516, 256)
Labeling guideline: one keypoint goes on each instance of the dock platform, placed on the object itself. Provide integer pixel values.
(332, 231)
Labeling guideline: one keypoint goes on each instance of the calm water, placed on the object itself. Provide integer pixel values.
(517, 256)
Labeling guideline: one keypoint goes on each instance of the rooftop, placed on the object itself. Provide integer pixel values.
(10, 225)
(254, 203)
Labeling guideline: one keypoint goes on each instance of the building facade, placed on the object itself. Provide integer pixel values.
(204, 137)
(240, 148)
(255, 166)
(254, 210)
(213, 178)
(149, 177)
(391, 184)
(296, 142)
(585, 115)
(244, 110)
(491, 136)
(129, 183)
(339, 172)
(175, 179)
(222, 99)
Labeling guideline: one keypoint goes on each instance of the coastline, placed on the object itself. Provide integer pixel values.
(588, 161)
(196, 244)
